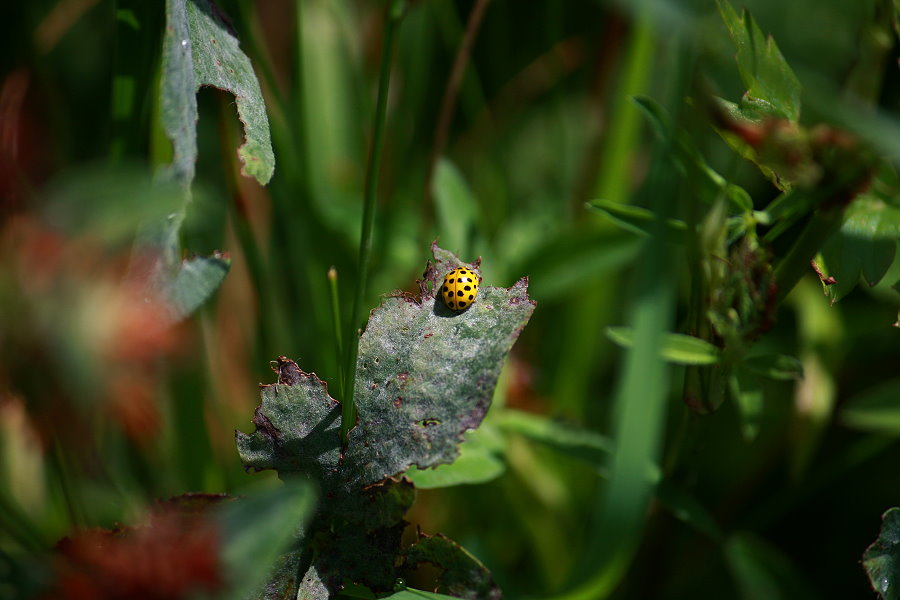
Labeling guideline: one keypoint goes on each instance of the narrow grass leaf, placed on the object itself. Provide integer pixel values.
(412, 594)
(638, 220)
(762, 572)
(698, 172)
(688, 509)
(748, 395)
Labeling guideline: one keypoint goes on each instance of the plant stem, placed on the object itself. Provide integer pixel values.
(348, 408)
(338, 330)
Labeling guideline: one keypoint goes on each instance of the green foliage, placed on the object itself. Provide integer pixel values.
(200, 49)
(864, 247)
(258, 529)
(196, 282)
(480, 460)
(761, 571)
(882, 559)
(457, 209)
(682, 413)
(772, 87)
(425, 375)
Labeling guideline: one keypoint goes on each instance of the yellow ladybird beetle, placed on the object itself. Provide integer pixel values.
(459, 289)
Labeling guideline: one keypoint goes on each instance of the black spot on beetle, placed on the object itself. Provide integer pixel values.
(462, 304)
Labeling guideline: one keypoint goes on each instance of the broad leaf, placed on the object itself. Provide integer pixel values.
(567, 438)
(479, 461)
(865, 245)
(763, 69)
(201, 49)
(425, 376)
(196, 281)
(257, 529)
(677, 348)
(462, 575)
(882, 559)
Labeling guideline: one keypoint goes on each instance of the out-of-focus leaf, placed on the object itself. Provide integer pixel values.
(479, 461)
(638, 220)
(200, 49)
(865, 245)
(740, 114)
(457, 209)
(108, 203)
(425, 376)
(570, 439)
(881, 560)
(691, 161)
(462, 575)
(763, 69)
(748, 395)
(565, 263)
(762, 572)
(876, 409)
(774, 366)
(196, 281)
(411, 594)
(351, 590)
(257, 529)
(688, 509)
(677, 348)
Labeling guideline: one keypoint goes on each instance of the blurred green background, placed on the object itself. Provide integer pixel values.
(101, 415)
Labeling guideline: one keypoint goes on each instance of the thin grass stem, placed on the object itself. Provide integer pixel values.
(348, 408)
